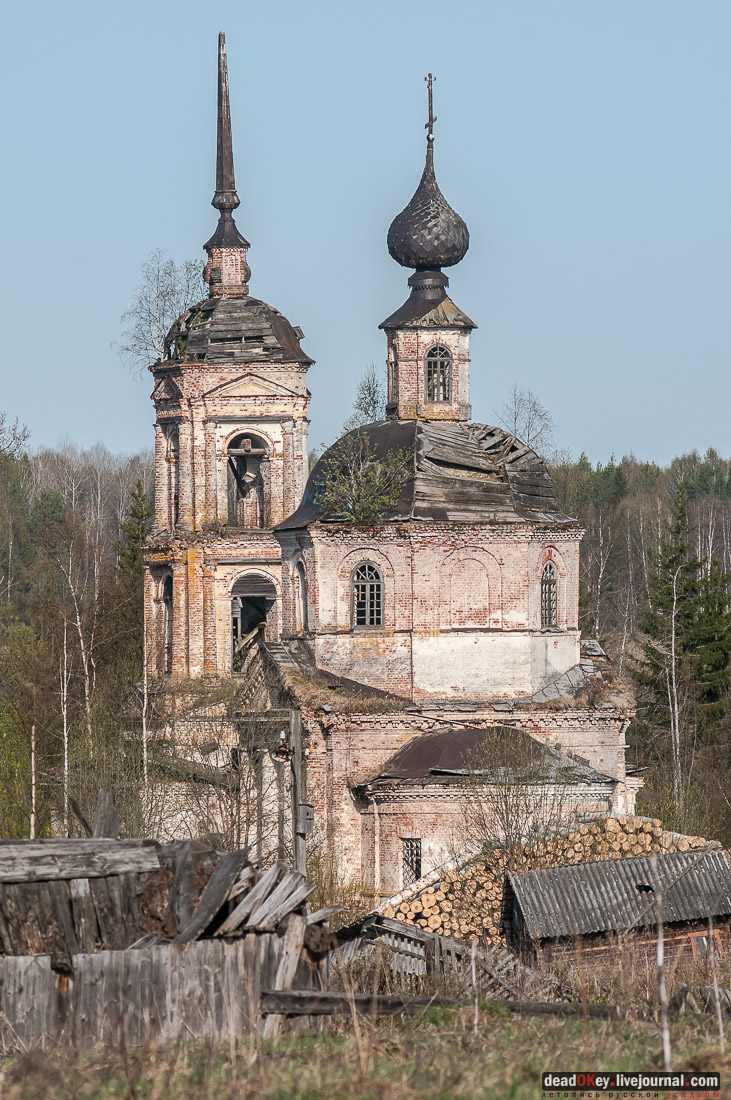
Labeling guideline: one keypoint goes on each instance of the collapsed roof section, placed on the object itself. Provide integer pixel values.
(462, 473)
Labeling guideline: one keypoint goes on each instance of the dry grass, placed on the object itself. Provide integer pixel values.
(314, 694)
(437, 1056)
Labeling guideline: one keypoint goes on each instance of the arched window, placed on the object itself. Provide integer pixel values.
(246, 491)
(302, 598)
(167, 624)
(367, 595)
(549, 596)
(438, 373)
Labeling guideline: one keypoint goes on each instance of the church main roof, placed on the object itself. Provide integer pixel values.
(462, 473)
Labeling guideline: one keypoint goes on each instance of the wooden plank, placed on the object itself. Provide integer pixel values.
(112, 936)
(61, 897)
(106, 818)
(42, 861)
(254, 896)
(324, 914)
(185, 858)
(291, 892)
(84, 915)
(215, 894)
(289, 958)
(297, 1002)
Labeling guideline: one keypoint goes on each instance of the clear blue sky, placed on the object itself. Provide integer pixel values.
(586, 144)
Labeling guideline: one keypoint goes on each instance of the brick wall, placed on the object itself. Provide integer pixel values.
(461, 606)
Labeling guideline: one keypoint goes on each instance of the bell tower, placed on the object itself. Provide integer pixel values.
(231, 401)
(428, 338)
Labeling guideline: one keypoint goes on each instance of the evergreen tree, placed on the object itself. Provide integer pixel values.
(136, 528)
(124, 598)
(685, 665)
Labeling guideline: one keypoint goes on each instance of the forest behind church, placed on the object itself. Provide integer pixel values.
(655, 566)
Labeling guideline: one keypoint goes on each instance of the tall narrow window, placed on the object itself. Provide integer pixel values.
(173, 460)
(393, 375)
(367, 595)
(549, 596)
(302, 597)
(411, 859)
(167, 624)
(438, 363)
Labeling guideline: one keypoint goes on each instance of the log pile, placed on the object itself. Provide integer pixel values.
(465, 902)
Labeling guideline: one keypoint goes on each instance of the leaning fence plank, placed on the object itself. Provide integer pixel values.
(290, 955)
(215, 894)
(254, 896)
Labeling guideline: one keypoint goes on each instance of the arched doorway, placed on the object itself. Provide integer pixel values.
(247, 472)
(253, 602)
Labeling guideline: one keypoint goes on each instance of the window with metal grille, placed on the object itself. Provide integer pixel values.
(549, 596)
(367, 595)
(438, 363)
(412, 859)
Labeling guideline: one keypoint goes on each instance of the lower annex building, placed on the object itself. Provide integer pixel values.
(404, 628)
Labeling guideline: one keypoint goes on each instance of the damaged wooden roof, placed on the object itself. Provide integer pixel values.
(232, 330)
(462, 473)
(617, 894)
(488, 753)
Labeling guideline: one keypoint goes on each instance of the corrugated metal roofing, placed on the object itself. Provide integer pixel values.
(612, 895)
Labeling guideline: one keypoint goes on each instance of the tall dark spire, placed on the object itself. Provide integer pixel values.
(225, 199)
(428, 234)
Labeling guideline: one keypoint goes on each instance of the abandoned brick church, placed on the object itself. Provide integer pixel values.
(456, 611)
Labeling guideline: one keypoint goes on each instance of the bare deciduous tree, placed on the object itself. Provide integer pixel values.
(525, 416)
(13, 437)
(519, 795)
(165, 290)
(358, 486)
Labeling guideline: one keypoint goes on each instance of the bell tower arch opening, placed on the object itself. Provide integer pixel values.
(248, 477)
(254, 603)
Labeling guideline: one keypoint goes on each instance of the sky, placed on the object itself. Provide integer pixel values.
(586, 145)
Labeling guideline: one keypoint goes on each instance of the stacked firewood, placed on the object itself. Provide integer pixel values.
(465, 902)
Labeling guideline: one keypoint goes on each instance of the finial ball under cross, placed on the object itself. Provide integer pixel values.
(429, 126)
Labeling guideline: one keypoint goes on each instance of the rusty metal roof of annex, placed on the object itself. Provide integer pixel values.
(613, 894)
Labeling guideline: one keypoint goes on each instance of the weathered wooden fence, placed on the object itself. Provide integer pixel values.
(206, 989)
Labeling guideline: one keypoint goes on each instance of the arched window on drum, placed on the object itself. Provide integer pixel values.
(438, 373)
(366, 595)
(549, 596)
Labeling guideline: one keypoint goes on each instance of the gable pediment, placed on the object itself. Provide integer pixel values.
(249, 385)
(166, 390)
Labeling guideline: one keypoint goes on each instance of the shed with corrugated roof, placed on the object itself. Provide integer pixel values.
(598, 906)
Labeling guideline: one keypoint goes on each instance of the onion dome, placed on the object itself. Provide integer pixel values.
(428, 233)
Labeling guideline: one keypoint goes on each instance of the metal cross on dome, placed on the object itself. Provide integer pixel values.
(429, 126)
